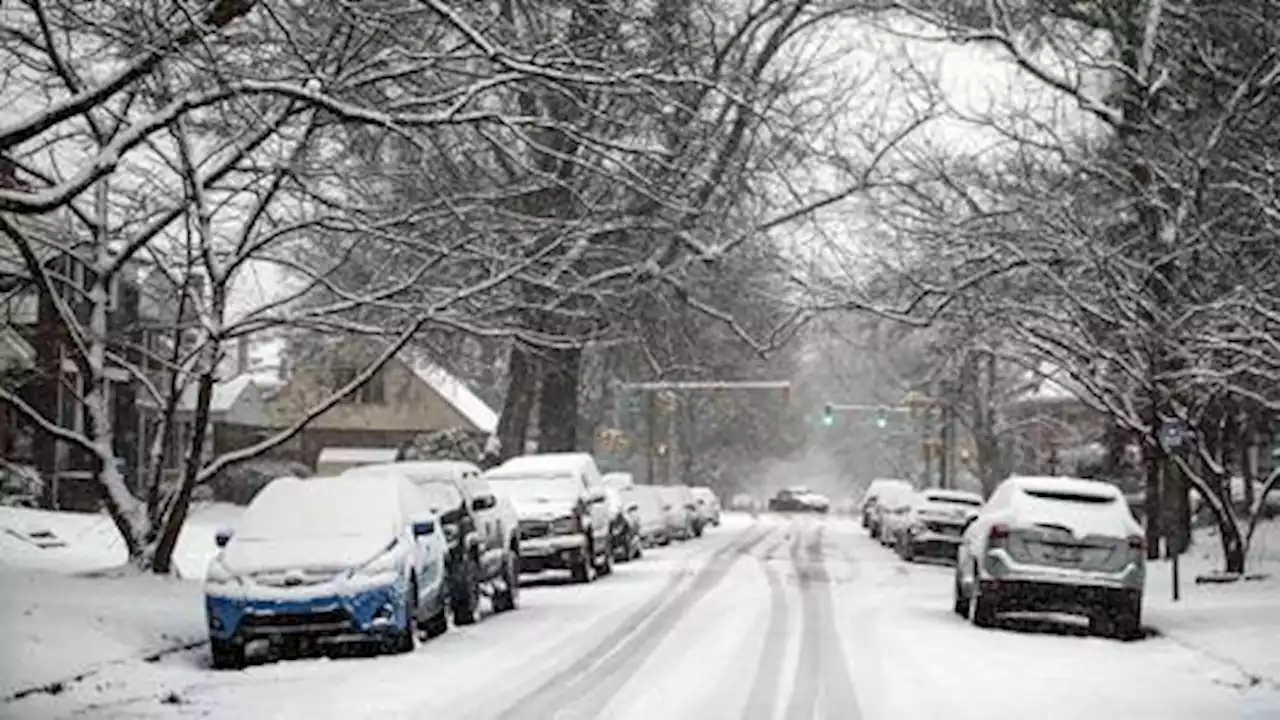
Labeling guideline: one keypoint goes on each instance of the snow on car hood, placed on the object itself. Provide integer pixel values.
(543, 509)
(247, 556)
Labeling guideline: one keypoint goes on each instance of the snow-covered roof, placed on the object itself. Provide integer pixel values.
(225, 394)
(456, 393)
(344, 455)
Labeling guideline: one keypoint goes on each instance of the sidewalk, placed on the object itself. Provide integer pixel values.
(1237, 624)
(59, 620)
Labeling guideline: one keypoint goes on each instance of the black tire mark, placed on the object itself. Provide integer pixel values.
(768, 675)
(595, 677)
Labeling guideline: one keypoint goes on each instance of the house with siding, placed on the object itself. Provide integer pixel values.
(409, 396)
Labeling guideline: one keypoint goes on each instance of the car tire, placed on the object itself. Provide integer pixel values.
(1121, 621)
(227, 654)
(605, 565)
(436, 625)
(982, 606)
(581, 570)
(506, 599)
(464, 596)
(959, 601)
(404, 640)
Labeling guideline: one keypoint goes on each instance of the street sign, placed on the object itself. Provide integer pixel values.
(1172, 434)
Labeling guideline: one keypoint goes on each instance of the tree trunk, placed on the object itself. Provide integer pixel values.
(162, 560)
(558, 403)
(522, 391)
(1152, 506)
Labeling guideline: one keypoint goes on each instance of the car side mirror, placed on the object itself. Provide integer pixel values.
(484, 502)
(222, 536)
(424, 528)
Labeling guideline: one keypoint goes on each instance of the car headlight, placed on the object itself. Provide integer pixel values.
(564, 526)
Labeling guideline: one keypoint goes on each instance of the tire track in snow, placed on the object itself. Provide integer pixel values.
(591, 681)
(822, 686)
(765, 683)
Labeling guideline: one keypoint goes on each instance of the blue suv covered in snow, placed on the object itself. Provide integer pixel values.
(326, 560)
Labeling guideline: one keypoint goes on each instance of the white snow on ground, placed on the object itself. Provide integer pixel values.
(712, 628)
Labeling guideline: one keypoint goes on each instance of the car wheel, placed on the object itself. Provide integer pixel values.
(403, 640)
(227, 654)
(465, 594)
(982, 606)
(959, 603)
(437, 624)
(1122, 620)
(581, 570)
(508, 597)
(605, 565)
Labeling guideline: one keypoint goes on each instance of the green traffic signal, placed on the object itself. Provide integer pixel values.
(828, 416)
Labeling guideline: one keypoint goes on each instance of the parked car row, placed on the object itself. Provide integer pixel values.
(1038, 544)
(381, 553)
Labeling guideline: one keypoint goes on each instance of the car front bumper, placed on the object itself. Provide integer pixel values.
(334, 614)
(554, 552)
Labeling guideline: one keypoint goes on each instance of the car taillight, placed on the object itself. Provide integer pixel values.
(998, 533)
(1137, 542)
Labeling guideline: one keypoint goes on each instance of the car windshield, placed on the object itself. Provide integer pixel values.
(551, 488)
(313, 509)
(441, 494)
(953, 500)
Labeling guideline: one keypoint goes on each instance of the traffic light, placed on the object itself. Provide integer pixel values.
(882, 418)
(828, 415)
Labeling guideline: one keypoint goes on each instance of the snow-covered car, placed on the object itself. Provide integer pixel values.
(799, 499)
(936, 522)
(624, 527)
(1054, 544)
(326, 560)
(707, 504)
(618, 480)
(744, 502)
(648, 508)
(561, 505)
(677, 506)
(895, 516)
(481, 531)
(871, 501)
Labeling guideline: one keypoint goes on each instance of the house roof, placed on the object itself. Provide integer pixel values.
(225, 394)
(456, 393)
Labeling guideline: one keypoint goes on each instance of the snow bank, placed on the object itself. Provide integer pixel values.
(54, 627)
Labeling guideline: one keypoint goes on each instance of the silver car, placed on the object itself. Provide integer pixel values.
(1054, 544)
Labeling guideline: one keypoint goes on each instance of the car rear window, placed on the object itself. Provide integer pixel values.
(1068, 496)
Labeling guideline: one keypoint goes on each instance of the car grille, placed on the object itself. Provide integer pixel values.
(943, 528)
(530, 529)
(293, 578)
(335, 620)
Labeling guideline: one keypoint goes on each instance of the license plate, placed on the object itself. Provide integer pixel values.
(1066, 555)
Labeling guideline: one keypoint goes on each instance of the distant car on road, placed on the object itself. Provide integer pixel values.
(799, 499)
(1053, 544)
(326, 560)
(895, 515)
(648, 508)
(936, 522)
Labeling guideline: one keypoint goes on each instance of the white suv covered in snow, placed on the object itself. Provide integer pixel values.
(1054, 544)
(327, 559)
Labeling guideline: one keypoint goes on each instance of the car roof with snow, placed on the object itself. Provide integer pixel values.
(546, 463)
(1064, 485)
(944, 494)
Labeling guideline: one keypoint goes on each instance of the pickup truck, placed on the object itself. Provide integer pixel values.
(482, 529)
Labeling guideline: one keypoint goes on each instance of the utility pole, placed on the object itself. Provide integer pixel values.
(651, 439)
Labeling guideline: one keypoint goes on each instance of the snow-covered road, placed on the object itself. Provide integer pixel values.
(775, 617)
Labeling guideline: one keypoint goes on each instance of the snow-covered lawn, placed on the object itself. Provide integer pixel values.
(67, 607)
